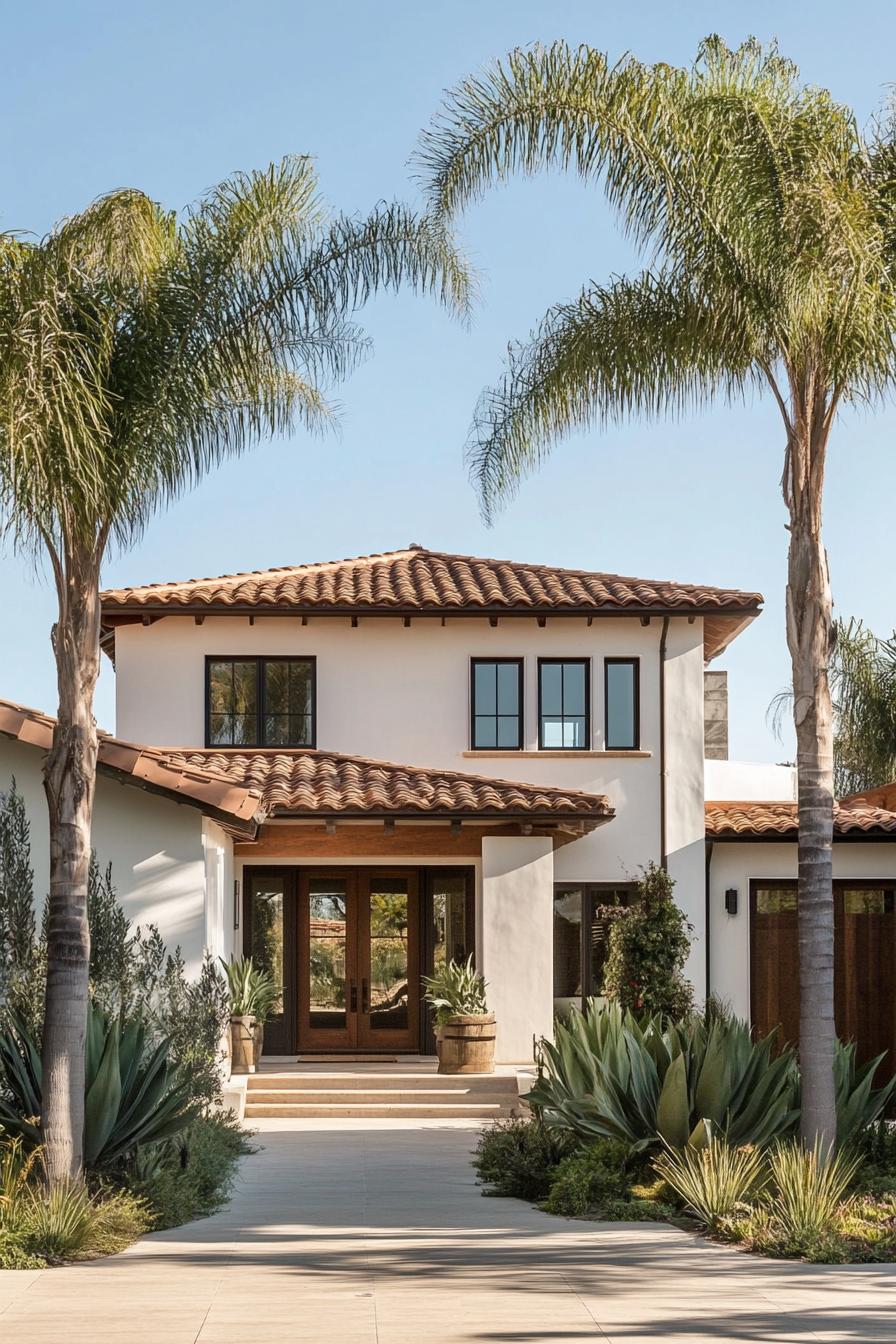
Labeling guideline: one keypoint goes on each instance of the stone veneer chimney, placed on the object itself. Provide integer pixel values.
(715, 715)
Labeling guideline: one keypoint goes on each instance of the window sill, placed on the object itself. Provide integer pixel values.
(552, 754)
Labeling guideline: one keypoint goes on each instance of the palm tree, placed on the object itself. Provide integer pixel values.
(863, 684)
(137, 351)
(768, 224)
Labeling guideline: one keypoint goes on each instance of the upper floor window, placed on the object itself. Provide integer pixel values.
(260, 702)
(496, 701)
(563, 704)
(622, 707)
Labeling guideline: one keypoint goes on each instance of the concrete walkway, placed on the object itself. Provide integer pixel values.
(375, 1233)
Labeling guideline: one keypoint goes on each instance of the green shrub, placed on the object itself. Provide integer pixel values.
(517, 1157)
(191, 1176)
(608, 1074)
(119, 1218)
(876, 1150)
(648, 946)
(714, 1180)
(132, 1093)
(589, 1180)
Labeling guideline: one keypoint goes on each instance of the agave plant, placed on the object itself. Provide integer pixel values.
(609, 1074)
(253, 990)
(456, 990)
(133, 1094)
(858, 1104)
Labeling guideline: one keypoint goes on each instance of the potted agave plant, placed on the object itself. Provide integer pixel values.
(253, 994)
(465, 1029)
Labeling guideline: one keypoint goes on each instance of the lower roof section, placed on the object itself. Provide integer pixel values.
(241, 789)
(853, 820)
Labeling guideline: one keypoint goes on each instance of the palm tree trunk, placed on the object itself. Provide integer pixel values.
(69, 777)
(809, 636)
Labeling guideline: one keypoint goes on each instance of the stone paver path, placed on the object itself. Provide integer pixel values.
(376, 1234)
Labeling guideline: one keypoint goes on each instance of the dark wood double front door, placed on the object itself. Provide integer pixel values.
(864, 964)
(349, 946)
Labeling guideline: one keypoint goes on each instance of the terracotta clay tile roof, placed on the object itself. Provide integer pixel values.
(307, 783)
(241, 788)
(424, 581)
(233, 802)
(746, 820)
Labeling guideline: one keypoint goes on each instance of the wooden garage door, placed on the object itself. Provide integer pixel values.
(864, 964)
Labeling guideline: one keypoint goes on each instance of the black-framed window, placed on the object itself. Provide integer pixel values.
(260, 702)
(622, 704)
(564, 704)
(581, 935)
(496, 704)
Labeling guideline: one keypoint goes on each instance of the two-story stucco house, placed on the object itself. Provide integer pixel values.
(357, 768)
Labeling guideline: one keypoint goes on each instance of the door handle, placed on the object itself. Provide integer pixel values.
(353, 997)
(365, 997)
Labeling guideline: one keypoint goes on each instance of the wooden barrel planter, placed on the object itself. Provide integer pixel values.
(242, 1045)
(467, 1044)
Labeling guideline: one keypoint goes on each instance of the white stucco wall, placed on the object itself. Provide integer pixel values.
(516, 941)
(155, 848)
(749, 782)
(402, 694)
(735, 865)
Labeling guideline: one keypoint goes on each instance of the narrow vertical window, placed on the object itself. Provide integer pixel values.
(622, 708)
(232, 702)
(496, 700)
(563, 704)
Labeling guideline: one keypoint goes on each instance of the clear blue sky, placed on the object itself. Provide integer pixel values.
(170, 97)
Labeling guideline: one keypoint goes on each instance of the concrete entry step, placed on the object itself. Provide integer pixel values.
(378, 1111)
(375, 1096)
(386, 1082)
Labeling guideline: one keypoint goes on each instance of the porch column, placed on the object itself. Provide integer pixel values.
(516, 940)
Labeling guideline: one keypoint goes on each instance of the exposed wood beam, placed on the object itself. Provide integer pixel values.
(304, 620)
(455, 827)
(251, 620)
(645, 620)
(407, 622)
(330, 827)
(590, 620)
(542, 621)
(199, 619)
(493, 621)
(389, 825)
(354, 622)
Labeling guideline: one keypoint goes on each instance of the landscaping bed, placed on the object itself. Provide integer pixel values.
(692, 1122)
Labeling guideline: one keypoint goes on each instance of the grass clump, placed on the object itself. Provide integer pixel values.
(713, 1181)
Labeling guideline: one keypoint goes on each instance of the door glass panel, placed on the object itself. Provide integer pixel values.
(327, 952)
(451, 939)
(567, 949)
(867, 901)
(388, 991)
(266, 923)
(776, 901)
(602, 905)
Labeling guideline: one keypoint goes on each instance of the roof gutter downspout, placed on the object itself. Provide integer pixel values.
(664, 857)
(706, 919)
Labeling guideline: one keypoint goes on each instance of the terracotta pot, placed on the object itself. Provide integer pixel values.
(242, 1045)
(258, 1043)
(467, 1044)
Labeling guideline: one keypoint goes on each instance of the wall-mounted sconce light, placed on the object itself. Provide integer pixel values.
(731, 900)
(236, 903)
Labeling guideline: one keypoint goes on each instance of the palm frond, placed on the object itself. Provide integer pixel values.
(649, 346)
